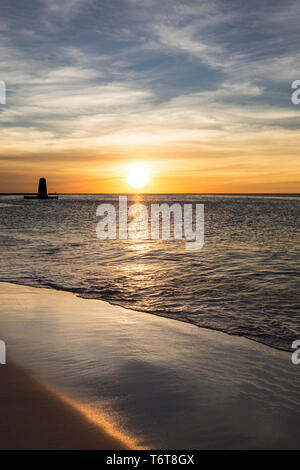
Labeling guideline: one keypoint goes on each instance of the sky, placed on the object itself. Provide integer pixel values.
(198, 91)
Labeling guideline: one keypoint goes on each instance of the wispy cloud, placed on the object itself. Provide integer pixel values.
(54, 10)
(114, 79)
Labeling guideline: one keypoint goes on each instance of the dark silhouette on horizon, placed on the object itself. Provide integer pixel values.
(42, 191)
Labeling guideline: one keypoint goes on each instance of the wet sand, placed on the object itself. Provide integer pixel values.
(35, 417)
(123, 373)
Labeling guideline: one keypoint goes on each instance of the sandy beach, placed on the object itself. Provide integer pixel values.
(35, 417)
(120, 378)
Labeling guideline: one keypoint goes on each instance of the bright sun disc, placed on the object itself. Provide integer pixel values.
(138, 176)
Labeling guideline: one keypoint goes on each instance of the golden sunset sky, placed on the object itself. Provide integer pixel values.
(199, 92)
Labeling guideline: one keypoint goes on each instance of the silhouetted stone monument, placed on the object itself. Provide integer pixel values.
(42, 191)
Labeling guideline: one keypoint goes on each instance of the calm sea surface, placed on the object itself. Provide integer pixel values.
(245, 280)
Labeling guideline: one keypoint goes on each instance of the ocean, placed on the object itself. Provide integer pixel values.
(244, 281)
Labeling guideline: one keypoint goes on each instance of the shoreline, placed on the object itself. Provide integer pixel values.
(180, 320)
(146, 373)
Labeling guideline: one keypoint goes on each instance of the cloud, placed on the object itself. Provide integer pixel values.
(192, 80)
(64, 11)
(181, 39)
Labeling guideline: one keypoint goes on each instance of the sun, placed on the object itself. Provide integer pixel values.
(138, 176)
